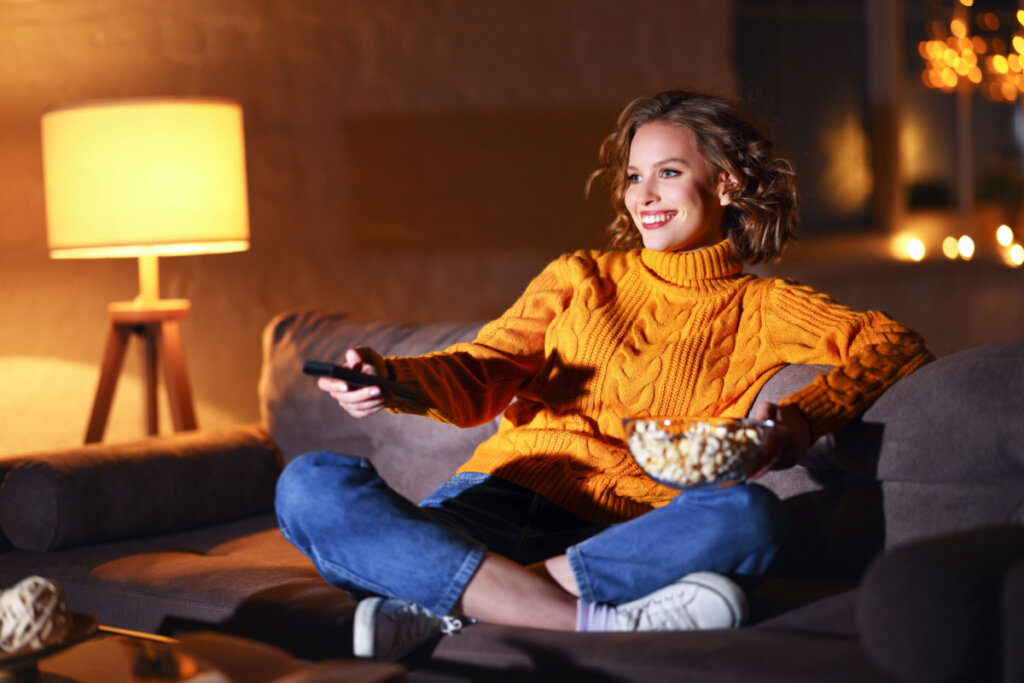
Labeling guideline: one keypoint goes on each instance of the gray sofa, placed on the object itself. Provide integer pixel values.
(905, 561)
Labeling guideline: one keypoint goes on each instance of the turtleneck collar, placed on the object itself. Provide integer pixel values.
(693, 268)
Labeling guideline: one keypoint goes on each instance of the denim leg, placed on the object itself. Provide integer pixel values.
(363, 536)
(736, 530)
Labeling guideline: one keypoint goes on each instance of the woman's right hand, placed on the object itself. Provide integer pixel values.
(358, 402)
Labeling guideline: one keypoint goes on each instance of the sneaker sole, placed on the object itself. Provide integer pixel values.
(363, 627)
(725, 589)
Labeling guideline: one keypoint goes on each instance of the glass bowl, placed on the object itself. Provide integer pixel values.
(685, 452)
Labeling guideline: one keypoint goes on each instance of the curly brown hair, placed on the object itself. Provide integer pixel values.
(763, 214)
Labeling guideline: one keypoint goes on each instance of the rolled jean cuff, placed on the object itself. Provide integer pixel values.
(579, 571)
(459, 582)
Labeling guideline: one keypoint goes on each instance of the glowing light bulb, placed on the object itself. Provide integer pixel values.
(1004, 235)
(915, 249)
(1016, 255)
(949, 247)
(965, 245)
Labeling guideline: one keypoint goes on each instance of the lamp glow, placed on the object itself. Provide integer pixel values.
(145, 178)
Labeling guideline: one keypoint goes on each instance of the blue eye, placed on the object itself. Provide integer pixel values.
(669, 173)
(633, 178)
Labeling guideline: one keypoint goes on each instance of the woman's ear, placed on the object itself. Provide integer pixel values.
(727, 188)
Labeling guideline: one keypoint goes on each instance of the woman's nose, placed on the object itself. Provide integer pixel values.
(648, 192)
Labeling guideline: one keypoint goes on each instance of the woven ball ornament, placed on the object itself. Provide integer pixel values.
(33, 615)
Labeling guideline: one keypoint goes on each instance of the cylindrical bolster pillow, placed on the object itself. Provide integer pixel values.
(6, 465)
(930, 610)
(106, 493)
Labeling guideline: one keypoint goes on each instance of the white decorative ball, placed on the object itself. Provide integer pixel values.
(33, 615)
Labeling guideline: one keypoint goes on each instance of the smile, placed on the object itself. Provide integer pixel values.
(655, 220)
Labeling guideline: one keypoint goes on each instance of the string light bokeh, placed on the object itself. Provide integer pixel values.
(979, 53)
(972, 51)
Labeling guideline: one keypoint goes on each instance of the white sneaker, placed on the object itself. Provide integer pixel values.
(387, 630)
(698, 601)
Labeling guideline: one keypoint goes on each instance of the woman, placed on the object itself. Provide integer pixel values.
(551, 524)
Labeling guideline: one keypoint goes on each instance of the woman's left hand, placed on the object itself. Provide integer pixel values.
(787, 442)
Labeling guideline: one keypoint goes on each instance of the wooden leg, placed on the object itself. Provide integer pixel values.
(157, 325)
(150, 351)
(178, 389)
(113, 358)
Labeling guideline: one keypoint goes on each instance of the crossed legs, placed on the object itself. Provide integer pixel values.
(364, 537)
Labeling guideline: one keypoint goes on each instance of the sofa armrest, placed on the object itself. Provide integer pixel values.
(104, 492)
(1013, 623)
(931, 610)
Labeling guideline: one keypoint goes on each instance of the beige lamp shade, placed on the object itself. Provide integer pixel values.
(145, 177)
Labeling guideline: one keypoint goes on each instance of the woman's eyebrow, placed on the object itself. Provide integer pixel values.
(663, 162)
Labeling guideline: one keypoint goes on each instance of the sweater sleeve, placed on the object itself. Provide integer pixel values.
(870, 351)
(471, 383)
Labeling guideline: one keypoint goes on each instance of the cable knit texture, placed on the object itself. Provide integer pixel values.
(600, 336)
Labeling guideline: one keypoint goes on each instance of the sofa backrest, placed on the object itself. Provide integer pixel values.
(414, 454)
(946, 444)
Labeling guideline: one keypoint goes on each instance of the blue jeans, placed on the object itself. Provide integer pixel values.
(364, 537)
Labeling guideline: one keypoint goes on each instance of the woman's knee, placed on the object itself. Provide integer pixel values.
(744, 511)
(314, 479)
(763, 515)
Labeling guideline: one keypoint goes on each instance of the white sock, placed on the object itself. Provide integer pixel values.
(595, 616)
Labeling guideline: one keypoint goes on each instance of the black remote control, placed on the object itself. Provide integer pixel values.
(320, 368)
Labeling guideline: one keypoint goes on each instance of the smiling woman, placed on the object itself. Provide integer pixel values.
(674, 329)
(675, 198)
(727, 155)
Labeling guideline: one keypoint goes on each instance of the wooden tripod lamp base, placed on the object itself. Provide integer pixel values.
(156, 323)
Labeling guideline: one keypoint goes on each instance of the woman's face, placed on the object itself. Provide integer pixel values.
(675, 199)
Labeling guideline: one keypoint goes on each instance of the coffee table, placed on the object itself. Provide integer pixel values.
(106, 654)
(112, 655)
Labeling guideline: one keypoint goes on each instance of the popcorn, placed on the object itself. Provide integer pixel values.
(33, 615)
(690, 452)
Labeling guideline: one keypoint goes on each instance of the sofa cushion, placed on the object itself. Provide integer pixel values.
(104, 493)
(486, 652)
(240, 577)
(930, 610)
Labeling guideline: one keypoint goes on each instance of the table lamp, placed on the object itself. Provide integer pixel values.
(145, 178)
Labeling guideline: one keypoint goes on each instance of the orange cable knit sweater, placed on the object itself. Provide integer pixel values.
(599, 336)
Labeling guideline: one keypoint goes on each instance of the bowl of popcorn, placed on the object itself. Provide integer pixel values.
(684, 452)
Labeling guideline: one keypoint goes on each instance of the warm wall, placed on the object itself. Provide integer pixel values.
(408, 159)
